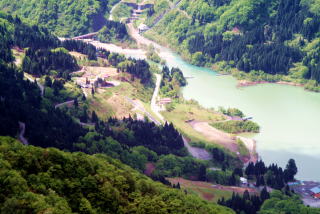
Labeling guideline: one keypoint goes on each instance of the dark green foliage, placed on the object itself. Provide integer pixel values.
(252, 35)
(248, 204)
(43, 62)
(272, 175)
(161, 139)
(174, 166)
(82, 47)
(113, 31)
(175, 74)
(222, 158)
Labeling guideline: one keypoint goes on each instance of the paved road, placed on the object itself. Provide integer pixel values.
(154, 107)
(141, 108)
(22, 132)
(38, 83)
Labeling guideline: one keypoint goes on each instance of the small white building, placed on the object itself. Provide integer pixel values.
(243, 181)
(142, 28)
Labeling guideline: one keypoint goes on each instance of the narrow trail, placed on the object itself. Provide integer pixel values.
(159, 18)
(112, 9)
(196, 152)
(141, 108)
(38, 83)
(22, 127)
(64, 103)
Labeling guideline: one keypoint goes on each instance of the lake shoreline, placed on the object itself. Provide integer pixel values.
(247, 83)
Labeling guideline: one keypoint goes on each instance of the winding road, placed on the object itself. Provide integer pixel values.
(142, 109)
(22, 127)
(31, 79)
(64, 103)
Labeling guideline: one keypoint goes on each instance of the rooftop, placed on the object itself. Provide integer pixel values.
(315, 190)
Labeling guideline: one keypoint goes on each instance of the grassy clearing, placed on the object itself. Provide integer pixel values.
(243, 150)
(203, 189)
(18, 57)
(235, 127)
(112, 102)
(187, 111)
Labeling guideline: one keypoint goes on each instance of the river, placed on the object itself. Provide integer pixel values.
(288, 116)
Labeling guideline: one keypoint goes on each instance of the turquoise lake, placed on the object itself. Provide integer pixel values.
(289, 116)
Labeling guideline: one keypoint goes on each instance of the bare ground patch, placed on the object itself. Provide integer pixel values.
(215, 135)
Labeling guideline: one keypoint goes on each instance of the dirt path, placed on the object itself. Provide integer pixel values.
(64, 103)
(112, 9)
(31, 79)
(215, 135)
(196, 152)
(251, 146)
(142, 109)
(22, 132)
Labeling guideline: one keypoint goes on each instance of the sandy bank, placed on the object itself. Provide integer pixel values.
(215, 135)
(245, 83)
(226, 140)
(117, 49)
(251, 146)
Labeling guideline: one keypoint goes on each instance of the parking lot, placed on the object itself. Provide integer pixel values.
(303, 190)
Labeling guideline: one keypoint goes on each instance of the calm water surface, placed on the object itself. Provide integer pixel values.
(289, 116)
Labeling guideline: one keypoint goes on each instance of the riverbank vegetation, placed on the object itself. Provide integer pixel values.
(274, 38)
(72, 181)
(235, 126)
(116, 33)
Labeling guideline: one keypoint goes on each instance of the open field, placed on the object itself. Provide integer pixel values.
(113, 102)
(208, 191)
(184, 112)
(215, 135)
(18, 55)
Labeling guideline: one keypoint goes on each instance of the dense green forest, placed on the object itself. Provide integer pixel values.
(50, 180)
(278, 37)
(47, 126)
(36, 180)
(64, 17)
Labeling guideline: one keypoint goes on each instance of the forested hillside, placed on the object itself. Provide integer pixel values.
(36, 180)
(63, 17)
(277, 39)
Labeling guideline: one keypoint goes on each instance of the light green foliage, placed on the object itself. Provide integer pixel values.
(231, 112)
(153, 55)
(234, 126)
(174, 166)
(36, 180)
(280, 203)
(243, 150)
(121, 11)
(64, 17)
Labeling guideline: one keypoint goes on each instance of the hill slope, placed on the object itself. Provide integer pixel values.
(277, 40)
(37, 180)
(63, 17)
